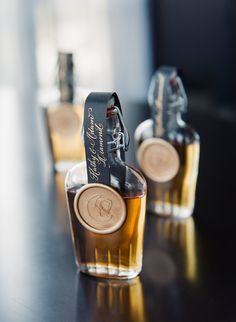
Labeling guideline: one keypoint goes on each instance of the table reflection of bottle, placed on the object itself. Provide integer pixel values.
(181, 234)
(173, 252)
(170, 268)
(111, 300)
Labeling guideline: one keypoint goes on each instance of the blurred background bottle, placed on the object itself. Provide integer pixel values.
(64, 119)
(168, 148)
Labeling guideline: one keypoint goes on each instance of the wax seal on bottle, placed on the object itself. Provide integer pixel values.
(65, 121)
(99, 208)
(158, 159)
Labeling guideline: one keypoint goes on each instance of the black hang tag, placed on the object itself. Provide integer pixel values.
(95, 138)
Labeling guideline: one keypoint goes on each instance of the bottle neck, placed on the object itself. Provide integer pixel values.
(66, 77)
(116, 147)
(169, 122)
(175, 120)
(114, 137)
(167, 100)
(114, 157)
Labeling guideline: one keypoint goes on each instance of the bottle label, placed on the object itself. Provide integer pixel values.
(95, 136)
(99, 208)
(158, 159)
(64, 121)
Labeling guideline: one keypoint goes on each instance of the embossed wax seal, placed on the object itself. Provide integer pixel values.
(158, 159)
(64, 121)
(99, 208)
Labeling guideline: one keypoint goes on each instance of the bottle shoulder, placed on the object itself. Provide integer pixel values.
(134, 184)
(131, 183)
(183, 133)
(76, 175)
(55, 106)
(144, 131)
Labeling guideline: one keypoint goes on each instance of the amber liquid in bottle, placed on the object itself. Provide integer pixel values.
(113, 253)
(177, 196)
(64, 127)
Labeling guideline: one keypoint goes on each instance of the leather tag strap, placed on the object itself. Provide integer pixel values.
(95, 137)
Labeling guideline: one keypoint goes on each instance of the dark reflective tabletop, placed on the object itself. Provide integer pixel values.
(188, 270)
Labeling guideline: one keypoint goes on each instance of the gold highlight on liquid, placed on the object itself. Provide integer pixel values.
(117, 254)
(64, 127)
(177, 196)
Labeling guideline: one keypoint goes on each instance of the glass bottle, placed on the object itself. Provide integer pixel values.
(64, 119)
(106, 245)
(168, 149)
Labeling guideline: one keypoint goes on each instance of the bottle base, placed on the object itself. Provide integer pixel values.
(168, 210)
(108, 272)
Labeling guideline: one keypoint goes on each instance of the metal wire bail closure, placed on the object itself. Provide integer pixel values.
(120, 140)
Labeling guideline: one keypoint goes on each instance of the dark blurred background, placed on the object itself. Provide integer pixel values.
(198, 37)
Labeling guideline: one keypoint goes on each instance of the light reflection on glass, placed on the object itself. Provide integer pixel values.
(108, 300)
(62, 218)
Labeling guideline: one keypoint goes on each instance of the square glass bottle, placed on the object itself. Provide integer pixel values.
(106, 198)
(64, 119)
(168, 148)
